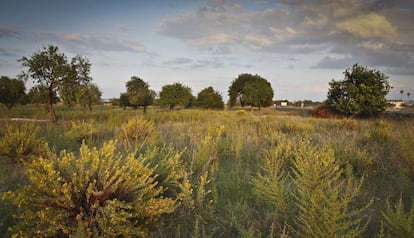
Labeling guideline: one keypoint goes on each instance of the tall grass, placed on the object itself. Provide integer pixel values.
(224, 156)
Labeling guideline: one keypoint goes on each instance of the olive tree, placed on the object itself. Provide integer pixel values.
(175, 95)
(51, 69)
(12, 91)
(209, 98)
(253, 90)
(139, 93)
(361, 93)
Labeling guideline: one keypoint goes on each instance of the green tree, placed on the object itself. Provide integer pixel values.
(51, 69)
(138, 93)
(98, 193)
(38, 95)
(124, 100)
(361, 93)
(89, 95)
(248, 89)
(175, 95)
(12, 91)
(258, 93)
(208, 98)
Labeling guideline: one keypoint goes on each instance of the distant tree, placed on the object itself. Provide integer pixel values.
(361, 93)
(248, 89)
(401, 92)
(39, 95)
(12, 91)
(138, 93)
(89, 95)
(175, 95)
(208, 98)
(124, 100)
(408, 95)
(51, 69)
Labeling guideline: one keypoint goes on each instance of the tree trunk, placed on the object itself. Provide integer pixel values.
(145, 109)
(50, 108)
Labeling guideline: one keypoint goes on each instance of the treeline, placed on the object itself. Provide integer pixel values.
(362, 92)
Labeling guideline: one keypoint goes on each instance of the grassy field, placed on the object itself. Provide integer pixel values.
(273, 173)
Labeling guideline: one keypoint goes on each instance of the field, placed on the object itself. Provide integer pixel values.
(237, 173)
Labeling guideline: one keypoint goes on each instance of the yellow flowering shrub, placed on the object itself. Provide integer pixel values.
(99, 193)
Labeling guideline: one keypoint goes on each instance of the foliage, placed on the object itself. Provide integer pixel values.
(39, 95)
(81, 131)
(21, 143)
(323, 197)
(124, 100)
(208, 98)
(138, 93)
(361, 93)
(12, 91)
(88, 95)
(99, 193)
(51, 69)
(136, 131)
(174, 95)
(248, 89)
(399, 222)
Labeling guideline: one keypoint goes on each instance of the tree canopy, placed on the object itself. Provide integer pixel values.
(361, 93)
(138, 93)
(88, 95)
(12, 91)
(175, 94)
(209, 98)
(253, 90)
(51, 69)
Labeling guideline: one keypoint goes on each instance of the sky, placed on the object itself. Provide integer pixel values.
(299, 46)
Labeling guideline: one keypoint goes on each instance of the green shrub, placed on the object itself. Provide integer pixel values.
(380, 132)
(136, 131)
(100, 193)
(21, 143)
(399, 222)
(80, 131)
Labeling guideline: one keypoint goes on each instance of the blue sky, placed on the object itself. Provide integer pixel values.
(297, 45)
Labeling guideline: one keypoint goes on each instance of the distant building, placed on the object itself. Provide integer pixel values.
(396, 103)
(283, 104)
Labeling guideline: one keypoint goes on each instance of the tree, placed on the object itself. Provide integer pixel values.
(208, 98)
(138, 93)
(12, 91)
(175, 95)
(89, 95)
(408, 95)
(258, 93)
(51, 69)
(124, 100)
(39, 94)
(361, 93)
(248, 89)
(401, 92)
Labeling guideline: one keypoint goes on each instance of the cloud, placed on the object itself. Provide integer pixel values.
(9, 33)
(378, 33)
(371, 26)
(98, 42)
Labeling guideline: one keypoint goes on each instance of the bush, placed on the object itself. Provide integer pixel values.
(323, 111)
(21, 143)
(81, 131)
(399, 222)
(137, 130)
(99, 193)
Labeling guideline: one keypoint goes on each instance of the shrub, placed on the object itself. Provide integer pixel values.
(323, 111)
(399, 222)
(323, 197)
(137, 130)
(99, 193)
(380, 132)
(81, 131)
(21, 143)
